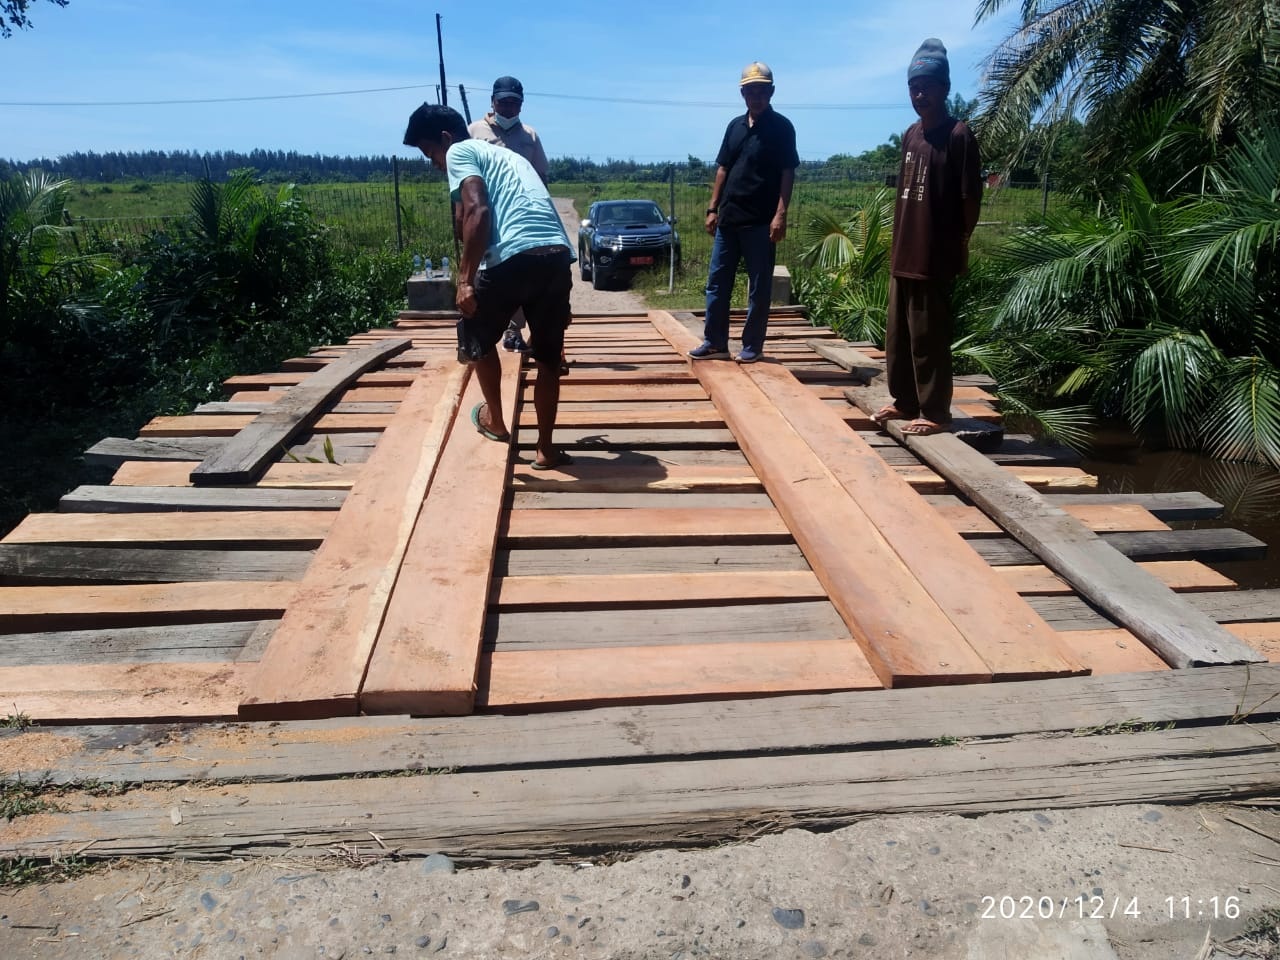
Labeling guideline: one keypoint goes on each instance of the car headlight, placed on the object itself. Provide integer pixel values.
(608, 243)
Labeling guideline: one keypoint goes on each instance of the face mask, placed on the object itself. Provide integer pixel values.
(506, 123)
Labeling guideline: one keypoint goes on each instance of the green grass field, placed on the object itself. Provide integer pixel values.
(363, 215)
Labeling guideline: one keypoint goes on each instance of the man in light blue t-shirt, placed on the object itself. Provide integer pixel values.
(510, 227)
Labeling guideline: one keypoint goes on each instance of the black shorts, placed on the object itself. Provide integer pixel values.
(538, 282)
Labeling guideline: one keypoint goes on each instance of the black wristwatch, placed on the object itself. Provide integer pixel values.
(711, 210)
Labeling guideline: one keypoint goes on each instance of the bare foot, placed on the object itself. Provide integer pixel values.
(923, 427)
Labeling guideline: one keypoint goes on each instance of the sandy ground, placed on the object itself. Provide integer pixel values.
(584, 299)
(1099, 884)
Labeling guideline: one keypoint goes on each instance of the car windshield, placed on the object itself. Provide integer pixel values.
(619, 214)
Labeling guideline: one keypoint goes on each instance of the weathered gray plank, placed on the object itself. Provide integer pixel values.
(525, 563)
(205, 642)
(248, 453)
(1228, 606)
(1159, 617)
(1209, 546)
(727, 623)
(126, 499)
(51, 564)
(530, 813)
(905, 717)
(113, 451)
(356, 406)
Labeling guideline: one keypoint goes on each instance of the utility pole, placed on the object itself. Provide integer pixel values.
(444, 89)
(466, 109)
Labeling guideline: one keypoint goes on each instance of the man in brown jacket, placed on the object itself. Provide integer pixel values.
(939, 196)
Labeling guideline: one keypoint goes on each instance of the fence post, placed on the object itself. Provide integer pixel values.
(395, 176)
(1044, 196)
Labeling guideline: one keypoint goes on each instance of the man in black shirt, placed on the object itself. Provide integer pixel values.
(755, 170)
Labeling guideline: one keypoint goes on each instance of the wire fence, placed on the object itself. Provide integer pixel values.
(410, 211)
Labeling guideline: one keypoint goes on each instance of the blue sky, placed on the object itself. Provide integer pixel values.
(652, 83)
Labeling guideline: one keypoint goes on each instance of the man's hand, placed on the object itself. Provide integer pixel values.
(712, 220)
(466, 299)
(778, 227)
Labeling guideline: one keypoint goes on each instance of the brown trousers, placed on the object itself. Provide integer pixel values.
(917, 345)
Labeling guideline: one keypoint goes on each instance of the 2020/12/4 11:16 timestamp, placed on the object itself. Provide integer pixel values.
(1107, 908)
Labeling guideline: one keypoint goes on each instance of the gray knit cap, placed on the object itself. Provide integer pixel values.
(930, 61)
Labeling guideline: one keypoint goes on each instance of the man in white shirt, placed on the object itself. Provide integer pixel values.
(503, 126)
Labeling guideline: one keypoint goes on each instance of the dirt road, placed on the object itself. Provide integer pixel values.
(584, 299)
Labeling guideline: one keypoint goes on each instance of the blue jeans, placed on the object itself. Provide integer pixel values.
(731, 245)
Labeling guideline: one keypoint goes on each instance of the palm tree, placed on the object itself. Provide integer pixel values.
(849, 285)
(31, 212)
(1164, 312)
(1111, 60)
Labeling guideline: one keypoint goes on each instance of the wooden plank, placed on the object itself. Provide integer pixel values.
(1074, 613)
(905, 636)
(1159, 617)
(971, 521)
(746, 727)
(233, 424)
(592, 476)
(246, 456)
(525, 680)
(1180, 575)
(216, 642)
(314, 663)
(56, 564)
(427, 657)
(984, 608)
(1109, 651)
(545, 811)
(645, 394)
(82, 606)
(601, 527)
(113, 451)
(630, 438)
(587, 591)
(119, 692)
(245, 528)
(563, 500)
(1167, 506)
(121, 499)
(298, 476)
(618, 560)
(704, 418)
(1207, 545)
(733, 619)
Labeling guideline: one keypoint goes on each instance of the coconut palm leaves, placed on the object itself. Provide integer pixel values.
(1165, 313)
(849, 258)
(31, 208)
(1109, 60)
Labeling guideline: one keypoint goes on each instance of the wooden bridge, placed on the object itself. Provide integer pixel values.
(737, 569)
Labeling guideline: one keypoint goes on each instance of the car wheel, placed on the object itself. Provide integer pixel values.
(582, 264)
(598, 280)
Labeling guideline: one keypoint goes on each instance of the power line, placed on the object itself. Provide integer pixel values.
(208, 100)
(640, 101)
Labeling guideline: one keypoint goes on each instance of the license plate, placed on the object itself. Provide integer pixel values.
(642, 261)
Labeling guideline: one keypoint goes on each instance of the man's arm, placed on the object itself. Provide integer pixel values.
(476, 224)
(778, 228)
(717, 187)
(971, 189)
(538, 157)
